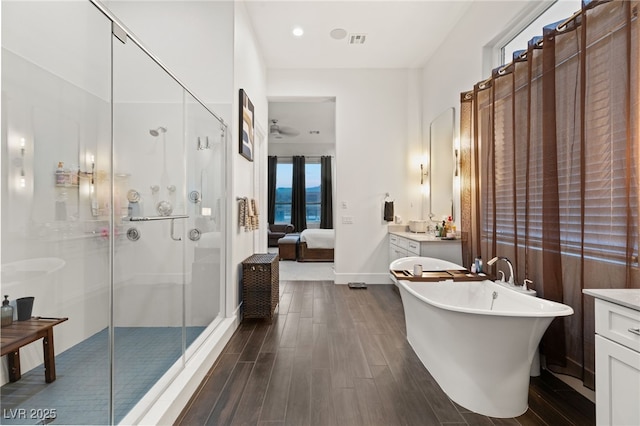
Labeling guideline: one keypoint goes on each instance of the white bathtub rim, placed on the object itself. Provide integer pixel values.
(428, 264)
(554, 309)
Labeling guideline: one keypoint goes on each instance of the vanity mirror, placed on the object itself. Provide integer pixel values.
(441, 165)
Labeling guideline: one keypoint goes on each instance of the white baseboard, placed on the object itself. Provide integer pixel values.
(376, 278)
(172, 401)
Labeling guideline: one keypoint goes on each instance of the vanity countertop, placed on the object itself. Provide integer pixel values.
(420, 236)
(629, 297)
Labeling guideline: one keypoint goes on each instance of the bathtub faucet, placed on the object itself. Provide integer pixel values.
(495, 259)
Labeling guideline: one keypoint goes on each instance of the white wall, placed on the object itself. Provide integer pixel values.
(373, 156)
(382, 119)
(311, 150)
(250, 75)
(193, 39)
(466, 57)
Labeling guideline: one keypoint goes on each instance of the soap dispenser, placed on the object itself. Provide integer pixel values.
(60, 176)
(6, 312)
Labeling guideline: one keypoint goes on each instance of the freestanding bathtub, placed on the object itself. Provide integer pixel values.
(477, 339)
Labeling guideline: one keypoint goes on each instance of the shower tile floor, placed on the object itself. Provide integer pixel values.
(80, 393)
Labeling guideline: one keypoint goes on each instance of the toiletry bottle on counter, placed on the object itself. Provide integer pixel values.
(478, 264)
(6, 312)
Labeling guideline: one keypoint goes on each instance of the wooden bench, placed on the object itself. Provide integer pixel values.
(21, 333)
(288, 247)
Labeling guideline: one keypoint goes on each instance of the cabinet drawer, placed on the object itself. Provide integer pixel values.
(413, 247)
(397, 253)
(618, 323)
(402, 243)
(393, 239)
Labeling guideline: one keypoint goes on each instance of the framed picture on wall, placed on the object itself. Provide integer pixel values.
(246, 126)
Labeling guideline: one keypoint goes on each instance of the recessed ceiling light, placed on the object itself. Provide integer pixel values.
(297, 31)
(338, 33)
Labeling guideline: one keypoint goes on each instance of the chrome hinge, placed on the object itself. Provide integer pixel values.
(119, 32)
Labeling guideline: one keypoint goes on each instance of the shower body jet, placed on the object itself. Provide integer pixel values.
(156, 132)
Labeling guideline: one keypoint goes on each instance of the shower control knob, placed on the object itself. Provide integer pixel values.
(194, 234)
(194, 196)
(133, 234)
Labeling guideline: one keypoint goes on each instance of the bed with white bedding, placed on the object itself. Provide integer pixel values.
(316, 245)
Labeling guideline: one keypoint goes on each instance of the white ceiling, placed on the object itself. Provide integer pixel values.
(399, 34)
(306, 117)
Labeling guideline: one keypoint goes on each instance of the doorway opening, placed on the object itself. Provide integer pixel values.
(302, 127)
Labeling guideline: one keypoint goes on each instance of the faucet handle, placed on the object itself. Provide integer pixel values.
(524, 284)
(502, 278)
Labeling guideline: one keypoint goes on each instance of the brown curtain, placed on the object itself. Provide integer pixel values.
(299, 194)
(550, 169)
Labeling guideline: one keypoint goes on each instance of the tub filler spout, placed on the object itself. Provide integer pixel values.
(512, 276)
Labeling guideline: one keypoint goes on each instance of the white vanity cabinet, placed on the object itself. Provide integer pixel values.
(403, 244)
(402, 247)
(617, 356)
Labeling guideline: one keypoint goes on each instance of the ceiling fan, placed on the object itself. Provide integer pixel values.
(278, 132)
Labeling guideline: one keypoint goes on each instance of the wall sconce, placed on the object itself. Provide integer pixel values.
(423, 173)
(457, 172)
(93, 171)
(23, 181)
(90, 174)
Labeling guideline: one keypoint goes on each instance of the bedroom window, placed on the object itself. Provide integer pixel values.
(312, 192)
(284, 179)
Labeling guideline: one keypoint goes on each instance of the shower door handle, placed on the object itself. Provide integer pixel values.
(151, 218)
(172, 237)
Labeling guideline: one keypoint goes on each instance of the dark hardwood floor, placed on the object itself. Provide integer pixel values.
(337, 356)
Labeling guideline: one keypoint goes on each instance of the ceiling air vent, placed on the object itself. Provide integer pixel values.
(357, 38)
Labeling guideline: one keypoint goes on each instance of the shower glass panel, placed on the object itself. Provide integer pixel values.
(112, 216)
(56, 78)
(204, 139)
(149, 207)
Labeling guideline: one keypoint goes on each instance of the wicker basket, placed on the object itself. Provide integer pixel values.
(260, 285)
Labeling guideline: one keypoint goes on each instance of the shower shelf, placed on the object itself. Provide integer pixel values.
(149, 218)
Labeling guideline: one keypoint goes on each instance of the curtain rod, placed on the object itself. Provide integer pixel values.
(563, 25)
(560, 27)
(312, 157)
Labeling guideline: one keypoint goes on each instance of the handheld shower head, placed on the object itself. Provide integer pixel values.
(156, 132)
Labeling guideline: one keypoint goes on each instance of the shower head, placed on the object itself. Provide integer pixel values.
(156, 132)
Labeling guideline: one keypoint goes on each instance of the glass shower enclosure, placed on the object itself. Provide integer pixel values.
(112, 214)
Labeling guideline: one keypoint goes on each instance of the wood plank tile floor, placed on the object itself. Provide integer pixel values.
(337, 356)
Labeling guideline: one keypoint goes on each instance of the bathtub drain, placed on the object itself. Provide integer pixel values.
(494, 297)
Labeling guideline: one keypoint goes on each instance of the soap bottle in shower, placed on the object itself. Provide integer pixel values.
(60, 176)
(6, 312)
